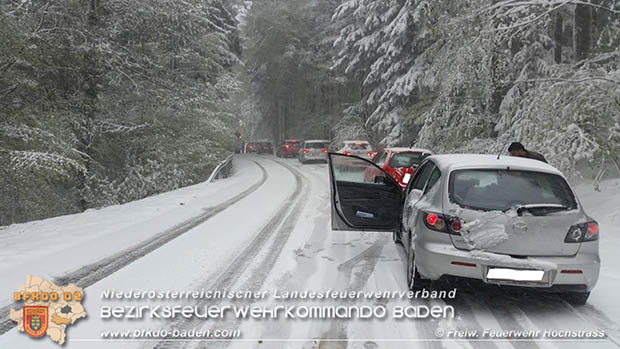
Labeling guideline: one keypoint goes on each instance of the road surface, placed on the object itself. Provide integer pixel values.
(267, 228)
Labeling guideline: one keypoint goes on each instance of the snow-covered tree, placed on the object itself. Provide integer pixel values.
(109, 101)
(475, 75)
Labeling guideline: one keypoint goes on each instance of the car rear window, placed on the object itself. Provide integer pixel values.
(407, 159)
(315, 145)
(490, 189)
(357, 146)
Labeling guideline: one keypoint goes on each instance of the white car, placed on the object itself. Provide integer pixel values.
(362, 149)
(506, 221)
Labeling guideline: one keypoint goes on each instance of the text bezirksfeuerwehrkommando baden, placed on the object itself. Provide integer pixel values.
(132, 312)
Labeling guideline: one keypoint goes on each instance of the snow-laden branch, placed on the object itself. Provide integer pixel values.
(109, 127)
(589, 79)
(535, 19)
(540, 3)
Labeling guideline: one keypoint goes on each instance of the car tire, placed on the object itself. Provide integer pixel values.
(414, 279)
(576, 298)
(397, 237)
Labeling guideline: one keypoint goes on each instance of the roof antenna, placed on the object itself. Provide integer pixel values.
(500, 152)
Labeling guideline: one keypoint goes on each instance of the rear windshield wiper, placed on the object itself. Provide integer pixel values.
(530, 207)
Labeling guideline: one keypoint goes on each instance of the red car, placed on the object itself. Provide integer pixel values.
(289, 149)
(252, 147)
(400, 163)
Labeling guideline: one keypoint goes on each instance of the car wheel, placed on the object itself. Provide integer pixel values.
(397, 237)
(576, 298)
(414, 280)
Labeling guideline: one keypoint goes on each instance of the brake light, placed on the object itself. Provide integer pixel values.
(591, 232)
(324, 150)
(582, 233)
(440, 223)
(435, 222)
(370, 154)
(346, 153)
(306, 151)
(287, 146)
(432, 218)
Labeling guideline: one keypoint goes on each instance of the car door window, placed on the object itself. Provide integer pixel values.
(422, 176)
(432, 180)
(353, 170)
(381, 159)
(363, 195)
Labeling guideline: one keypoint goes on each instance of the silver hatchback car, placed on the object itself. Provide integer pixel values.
(502, 220)
(315, 150)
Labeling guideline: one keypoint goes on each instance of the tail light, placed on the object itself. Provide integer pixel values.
(306, 151)
(287, 146)
(324, 150)
(346, 153)
(370, 154)
(582, 233)
(456, 226)
(440, 223)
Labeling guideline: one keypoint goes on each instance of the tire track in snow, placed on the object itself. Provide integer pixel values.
(504, 310)
(280, 225)
(467, 313)
(89, 274)
(596, 317)
(364, 264)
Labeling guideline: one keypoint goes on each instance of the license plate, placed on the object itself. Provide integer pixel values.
(515, 274)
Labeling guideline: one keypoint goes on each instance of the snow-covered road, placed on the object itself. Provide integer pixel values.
(268, 228)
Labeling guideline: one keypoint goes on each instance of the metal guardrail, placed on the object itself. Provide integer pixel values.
(223, 169)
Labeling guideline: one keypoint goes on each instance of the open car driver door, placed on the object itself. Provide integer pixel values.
(363, 196)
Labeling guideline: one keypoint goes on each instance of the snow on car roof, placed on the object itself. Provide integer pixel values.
(457, 161)
(317, 141)
(418, 150)
(350, 142)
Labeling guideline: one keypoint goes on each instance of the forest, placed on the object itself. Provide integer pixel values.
(450, 76)
(108, 101)
(104, 102)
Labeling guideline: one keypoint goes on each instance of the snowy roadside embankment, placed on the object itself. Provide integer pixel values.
(54, 246)
(604, 207)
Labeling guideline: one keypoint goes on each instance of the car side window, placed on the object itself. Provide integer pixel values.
(433, 179)
(422, 175)
(381, 159)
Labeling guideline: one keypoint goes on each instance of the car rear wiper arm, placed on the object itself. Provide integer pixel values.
(521, 208)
